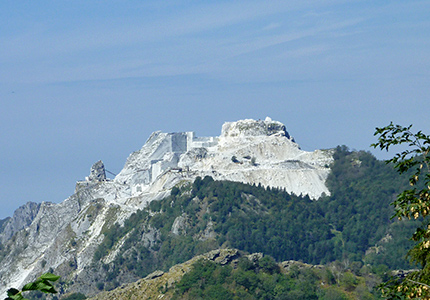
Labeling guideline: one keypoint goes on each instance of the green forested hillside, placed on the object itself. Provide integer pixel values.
(352, 225)
(359, 208)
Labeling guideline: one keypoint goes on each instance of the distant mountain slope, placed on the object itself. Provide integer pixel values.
(208, 215)
(65, 236)
(21, 218)
(211, 214)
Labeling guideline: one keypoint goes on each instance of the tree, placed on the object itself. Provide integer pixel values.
(42, 284)
(411, 203)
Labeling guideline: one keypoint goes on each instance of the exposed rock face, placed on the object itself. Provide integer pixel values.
(180, 225)
(263, 152)
(97, 172)
(65, 236)
(97, 175)
(251, 127)
(22, 217)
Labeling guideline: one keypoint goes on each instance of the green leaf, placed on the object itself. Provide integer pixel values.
(46, 287)
(49, 276)
(30, 287)
(12, 292)
(17, 296)
(42, 284)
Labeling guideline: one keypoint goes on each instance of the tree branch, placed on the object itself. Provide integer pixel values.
(418, 283)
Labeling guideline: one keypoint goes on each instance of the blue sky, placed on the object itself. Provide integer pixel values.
(87, 80)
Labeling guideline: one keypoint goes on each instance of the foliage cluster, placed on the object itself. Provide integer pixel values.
(42, 284)
(412, 203)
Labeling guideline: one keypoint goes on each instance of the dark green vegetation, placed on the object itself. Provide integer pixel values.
(351, 227)
(264, 279)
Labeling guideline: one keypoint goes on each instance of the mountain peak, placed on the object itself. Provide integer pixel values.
(249, 151)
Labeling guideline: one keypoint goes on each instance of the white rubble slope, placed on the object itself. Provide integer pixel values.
(249, 151)
(68, 233)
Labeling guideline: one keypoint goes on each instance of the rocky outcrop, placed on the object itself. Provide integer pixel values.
(97, 173)
(251, 127)
(22, 218)
(180, 225)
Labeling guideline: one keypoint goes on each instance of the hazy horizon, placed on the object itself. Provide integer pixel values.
(84, 81)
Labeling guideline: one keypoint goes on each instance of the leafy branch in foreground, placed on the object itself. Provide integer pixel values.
(43, 284)
(411, 203)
